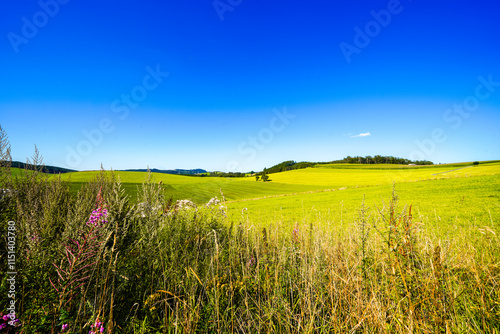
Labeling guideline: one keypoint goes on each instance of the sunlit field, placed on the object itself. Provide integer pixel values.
(330, 249)
(323, 177)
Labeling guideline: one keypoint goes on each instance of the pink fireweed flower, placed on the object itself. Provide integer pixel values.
(64, 327)
(8, 321)
(97, 327)
(98, 216)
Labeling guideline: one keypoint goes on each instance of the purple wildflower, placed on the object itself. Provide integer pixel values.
(98, 216)
(251, 262)
(8, 321)
(64, 327)
(97, 327)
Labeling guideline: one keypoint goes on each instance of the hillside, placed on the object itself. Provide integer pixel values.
(45, 169)
(313, 179)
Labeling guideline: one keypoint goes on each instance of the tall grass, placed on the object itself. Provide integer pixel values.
(164, 267)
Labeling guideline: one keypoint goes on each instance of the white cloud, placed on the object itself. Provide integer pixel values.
(366, 134)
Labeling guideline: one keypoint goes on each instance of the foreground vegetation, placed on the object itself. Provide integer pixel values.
(99, 260)
(323, 250)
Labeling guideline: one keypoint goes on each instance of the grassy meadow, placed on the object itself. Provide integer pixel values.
(321, 178)
(339, 248)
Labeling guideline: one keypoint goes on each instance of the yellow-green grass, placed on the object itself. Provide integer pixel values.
(16, 171)
(302, 184)
(337, 176)
(198, 189)
(201, 189)
(442, 205)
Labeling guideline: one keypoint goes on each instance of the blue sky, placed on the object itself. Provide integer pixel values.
(242, 85)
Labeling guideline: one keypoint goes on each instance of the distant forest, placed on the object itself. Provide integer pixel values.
(378, 159)
(44, 168)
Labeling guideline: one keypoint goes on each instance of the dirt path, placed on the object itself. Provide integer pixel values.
(452, 170)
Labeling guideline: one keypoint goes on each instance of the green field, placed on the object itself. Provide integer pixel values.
(320, 178)
(316, 250)
(445, 201)
(446, 196)
(442, 204)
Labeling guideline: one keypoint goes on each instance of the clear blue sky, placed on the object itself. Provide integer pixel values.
(242, 85)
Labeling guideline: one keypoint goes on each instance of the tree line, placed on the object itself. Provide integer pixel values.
(377, 159)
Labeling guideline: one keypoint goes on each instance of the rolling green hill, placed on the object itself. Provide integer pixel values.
(446, 204)
(299, 181)
(450, 193)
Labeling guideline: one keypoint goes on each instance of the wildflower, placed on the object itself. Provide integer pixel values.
(251, 262)
(185, 204)
(8, 321)
(98, 216)
(213, 201)
(96, 327)
(222, 209)
(64, 327)
(146, 209)
(295, 233)
(35, 237)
